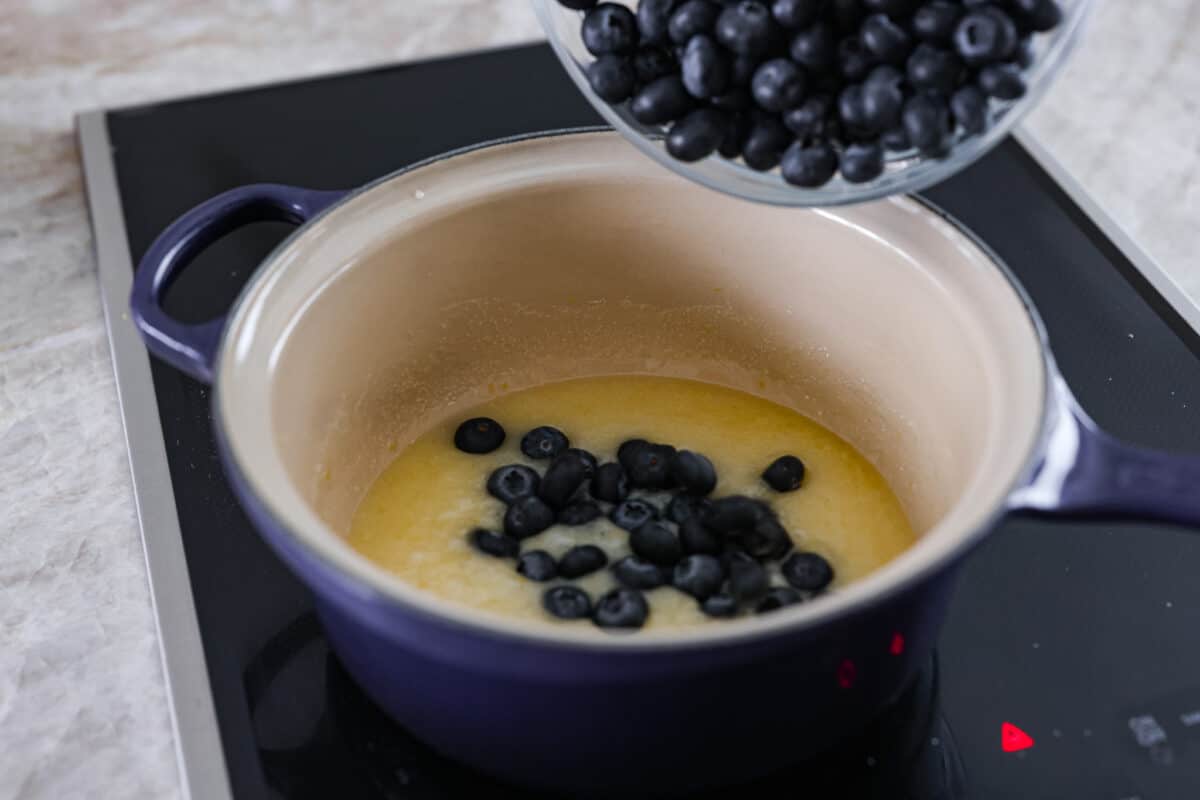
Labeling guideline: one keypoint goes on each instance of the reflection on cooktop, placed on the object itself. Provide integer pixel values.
(349, 748)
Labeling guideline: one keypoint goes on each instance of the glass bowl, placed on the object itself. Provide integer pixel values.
(903, 172)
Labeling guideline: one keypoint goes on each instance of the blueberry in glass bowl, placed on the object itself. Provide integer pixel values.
(813, 102)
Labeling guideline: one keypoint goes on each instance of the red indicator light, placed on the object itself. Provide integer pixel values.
(1013, 738)
(897, 646)
(846, 674)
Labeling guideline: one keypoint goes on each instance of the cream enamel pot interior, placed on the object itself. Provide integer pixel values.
(569, 255)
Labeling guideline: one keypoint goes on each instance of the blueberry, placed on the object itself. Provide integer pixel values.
(627, 450)
(885, 40)
(736, 99)
(809, 164)
(685, 506)
(896, 140)
(537, 565)
(510, 483)
(649, 466)
(705, 67)
(589, 461)
(796, 13)
(653, 19)
(662, 100)
(621, 608)
(777, 598)
(854, 59)
(735, 513)
(985, 36)
(652, 62)
(746, 27)
(609, 483)
(1025, 54)
(894, 8)
(778, 84)
(612, 78)
(742, 70)
(690, 18)
(969, 106)
(698, 575)
(577, 5)
(582, 560)
(494, 544)
(931, 67)
(580, 512)
(808, 118)
(935, 21)
(927, 122)
(815, 47)
(785, 474)
(862, 162)
(765, 142)
(852, 110)
(1036, 15)
(656, 543)
(748, 579)
(697, 135)
(695, 537)
(527, 517)
(766, 540)
(693, 472)
(1003, 81)
(807, 572)
(736, 131)
(567, 602)
(544, 441)
(479, 435)
(882, 97)
(632, 513)
(609, 28)
(638, 573)
(721, 606)
(562, 479)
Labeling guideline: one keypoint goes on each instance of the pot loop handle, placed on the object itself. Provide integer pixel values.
(192, 347)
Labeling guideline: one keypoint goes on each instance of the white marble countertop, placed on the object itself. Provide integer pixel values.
(82, 702)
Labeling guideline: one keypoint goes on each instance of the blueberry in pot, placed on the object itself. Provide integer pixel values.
(705, 67)
(1036, 15)
(512, 482)
(766, 540)
(814, 48)
(1003, 81)
(582, 560)
(580, 512)
(609, 28)
(969, 106)
(662, 100)
(748, 579)
(567, 602)
(628, 449)
(733, 513)
(862, 162)
(693, 472)
(778, 598)
(765, 142)
(621, 608)
(896, 139)
(936, 21)
(653, 19)
(809, 163)
(697, 135)
(796, 13)
(807, 572)
(479, 435)
(537, 565)
(883, 97)
(691, 18)
(652, 61)
(984, 36)
(634, 572)
(735, 131)
(854, 59)
(852, 111)
(894, 8)
(698, 575)
(736, 99)
(612, 78)
(1025, 54)
(563, 478)
(720, 606)
(656, 543)
(632, 513)
(808, 118)
(926, 120)
(785, 474)
(931, 67)
(685, 506)
(494, 544)
(609, 483)
(544, 442)
(745, 27)
(649, 466)
(695, 537)
(577, 5)
(778, 84)
(884, 39)
(527, 517)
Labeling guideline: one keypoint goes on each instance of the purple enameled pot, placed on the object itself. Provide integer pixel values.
(568, 255)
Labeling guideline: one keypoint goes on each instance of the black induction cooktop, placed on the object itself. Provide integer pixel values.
(1070, 666)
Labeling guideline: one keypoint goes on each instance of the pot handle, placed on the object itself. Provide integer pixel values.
(1090, 474)
(192, 347)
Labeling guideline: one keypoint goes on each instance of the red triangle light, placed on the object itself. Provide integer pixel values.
(1013, 738)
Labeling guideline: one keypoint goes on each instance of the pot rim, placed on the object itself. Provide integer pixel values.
(363, 580)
